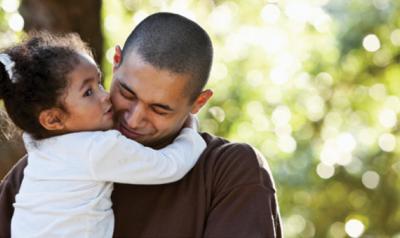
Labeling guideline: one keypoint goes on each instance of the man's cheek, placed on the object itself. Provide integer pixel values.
(170, 127)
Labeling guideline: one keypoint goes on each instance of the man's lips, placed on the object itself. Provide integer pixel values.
(128, 132)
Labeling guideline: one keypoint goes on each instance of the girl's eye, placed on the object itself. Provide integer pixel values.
(88, 93)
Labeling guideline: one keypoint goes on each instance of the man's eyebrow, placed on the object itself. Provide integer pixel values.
(127, 88)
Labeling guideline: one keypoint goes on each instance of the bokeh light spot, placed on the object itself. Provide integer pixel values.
(279, 75)
(370, 179)
(16, 22)
(325, 171)
(336, 230)
(110, 23)
(110, 55)
(395, 37)
(221, 19)
(355, 166)
(281, 115)
(287, 144)
(315, 106)
(354, 228)
(387, 142)
(371, 43)
(270, 13)
(10, 5)
(377, 92)
(218, 113)
(294, 225)
(387, 118)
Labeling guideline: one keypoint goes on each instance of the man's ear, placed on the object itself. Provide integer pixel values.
(117, 57)
(52, 119)
(201, 100)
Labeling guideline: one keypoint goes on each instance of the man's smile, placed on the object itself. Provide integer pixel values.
(125, 130)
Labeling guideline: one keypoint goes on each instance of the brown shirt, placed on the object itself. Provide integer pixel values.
(229, 193)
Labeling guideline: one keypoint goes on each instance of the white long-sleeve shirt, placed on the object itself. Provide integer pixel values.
(67, 183)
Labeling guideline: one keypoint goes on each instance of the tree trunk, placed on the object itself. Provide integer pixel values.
(80, 16)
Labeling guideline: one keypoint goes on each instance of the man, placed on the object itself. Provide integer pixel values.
(158, 81)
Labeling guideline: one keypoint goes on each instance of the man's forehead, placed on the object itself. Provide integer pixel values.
(133, 59)
(142, 77)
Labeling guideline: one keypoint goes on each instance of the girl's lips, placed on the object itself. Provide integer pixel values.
(109, 112)
(109, 109)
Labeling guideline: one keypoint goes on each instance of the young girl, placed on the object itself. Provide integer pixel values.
(51, 90)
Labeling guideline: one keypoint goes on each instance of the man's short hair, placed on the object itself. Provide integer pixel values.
(174, 43)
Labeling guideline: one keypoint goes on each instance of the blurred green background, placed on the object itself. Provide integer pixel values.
(313, 84)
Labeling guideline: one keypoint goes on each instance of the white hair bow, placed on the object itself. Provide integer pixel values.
(9, 65)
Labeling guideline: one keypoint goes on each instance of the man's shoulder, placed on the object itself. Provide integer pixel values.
(222, 149)
(235, 163)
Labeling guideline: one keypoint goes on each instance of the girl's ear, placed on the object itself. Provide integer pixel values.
(52, 119)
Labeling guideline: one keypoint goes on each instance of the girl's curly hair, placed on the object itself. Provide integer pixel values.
(42, 64)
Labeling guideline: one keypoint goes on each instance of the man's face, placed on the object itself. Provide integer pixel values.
(149, 103)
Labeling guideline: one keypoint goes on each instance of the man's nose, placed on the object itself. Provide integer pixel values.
(136, 115)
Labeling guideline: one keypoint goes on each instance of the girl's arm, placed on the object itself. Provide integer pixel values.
(115, 158)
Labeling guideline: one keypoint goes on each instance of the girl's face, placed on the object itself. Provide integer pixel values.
(88, 106)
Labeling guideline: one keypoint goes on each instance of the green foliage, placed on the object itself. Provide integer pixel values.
(314, 85)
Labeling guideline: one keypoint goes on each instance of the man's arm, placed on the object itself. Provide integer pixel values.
(243, 203)
(9, 187)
